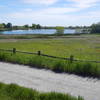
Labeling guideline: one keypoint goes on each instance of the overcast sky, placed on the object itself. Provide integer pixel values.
(50, 12)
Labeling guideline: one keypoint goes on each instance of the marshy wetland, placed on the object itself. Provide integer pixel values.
(82, 47)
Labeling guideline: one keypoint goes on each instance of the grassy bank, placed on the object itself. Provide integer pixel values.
(15, 92)
(79, 68)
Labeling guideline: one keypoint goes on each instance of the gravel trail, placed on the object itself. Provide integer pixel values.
(46, 81)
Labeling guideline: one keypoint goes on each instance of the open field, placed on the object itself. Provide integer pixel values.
(84, 47)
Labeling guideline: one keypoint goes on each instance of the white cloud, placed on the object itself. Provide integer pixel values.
(77, 5)
(84, 3)
(28, 10)
(48, 11)
(46, 2)
(55, 16)
(57, 11)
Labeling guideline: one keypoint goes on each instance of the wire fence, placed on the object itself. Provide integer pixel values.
(71, 58)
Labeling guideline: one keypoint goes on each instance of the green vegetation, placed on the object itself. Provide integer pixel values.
(59, 31)
(79, 68)
(4, 26)
(9, 26)
(15, 92)
(82, 47)
(95, 28)
(25, 36)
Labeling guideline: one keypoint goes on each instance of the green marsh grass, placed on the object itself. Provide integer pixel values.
(56, 65)
(15, 92)
(84, 47)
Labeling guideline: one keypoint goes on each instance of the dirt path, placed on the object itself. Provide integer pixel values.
(46, 81)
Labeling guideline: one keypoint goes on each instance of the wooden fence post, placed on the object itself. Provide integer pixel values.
(39, 53)
(14, 50)
(71, 58)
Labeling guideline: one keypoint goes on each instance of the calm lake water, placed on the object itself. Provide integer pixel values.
(37, 31)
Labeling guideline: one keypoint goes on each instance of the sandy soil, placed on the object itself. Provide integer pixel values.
(46, 81)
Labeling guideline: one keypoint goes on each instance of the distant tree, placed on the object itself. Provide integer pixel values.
(95, 28)
(38, 26)
(15, 27)
(2, 26)
(33, 26)
(70, 27)
(26, 26)
(9, 25)
(59, 30)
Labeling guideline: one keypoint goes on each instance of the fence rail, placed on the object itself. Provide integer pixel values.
(71, 58)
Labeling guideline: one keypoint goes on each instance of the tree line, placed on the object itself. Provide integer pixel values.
(9, 26)
(94, 28)
(4, 26)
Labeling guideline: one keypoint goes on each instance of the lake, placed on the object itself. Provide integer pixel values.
(37, 31)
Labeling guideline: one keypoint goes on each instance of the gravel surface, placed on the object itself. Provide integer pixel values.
(46, 81)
